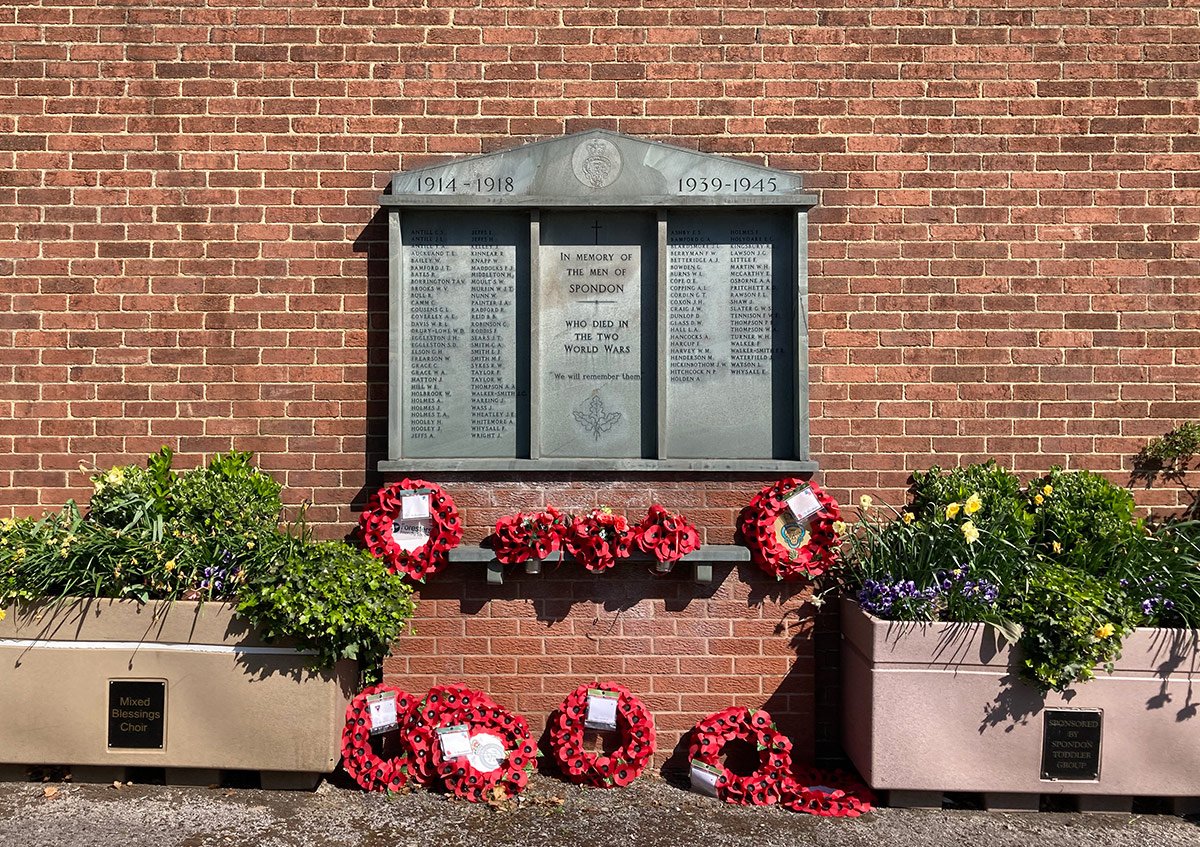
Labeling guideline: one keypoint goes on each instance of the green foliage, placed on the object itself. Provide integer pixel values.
(127, 497)
(331, 598)
(65, 554)
(1072, 621)
(230, 494)
(1169, 458)
(1082, 516)
(1170, 455)
(1065, 563)
(1002, 510)
(212, 533)
(1159, 571)
(904, 547)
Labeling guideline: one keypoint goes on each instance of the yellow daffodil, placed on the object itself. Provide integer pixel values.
(1047, 489)
(952, 509)
(250, 545)
(909, 517)
(865, 502)
(1039, 500)
(170, 565)
(2, 614)
(839, 527)
(1105, 631)
(969, 532)
(974, 504)
(1056, 547)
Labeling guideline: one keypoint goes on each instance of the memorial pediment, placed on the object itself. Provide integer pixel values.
(596, 167)
(598, 302)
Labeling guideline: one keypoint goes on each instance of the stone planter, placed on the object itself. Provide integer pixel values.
(929, 708)
(104, 685)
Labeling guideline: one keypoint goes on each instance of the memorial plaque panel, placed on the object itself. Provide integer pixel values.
(597, 302)
(137, 713)
(731, 305)
(597, 379)
(1071, 744)
(463, 276)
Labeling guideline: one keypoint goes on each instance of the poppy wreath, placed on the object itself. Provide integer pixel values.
(598, 539)
(359, 759)
(814, 556)
(634, 723)
(830, 794)
(666, 536)
(464, 780)
(444, 705)
(521, 537)
(769, 782)
(380, 516)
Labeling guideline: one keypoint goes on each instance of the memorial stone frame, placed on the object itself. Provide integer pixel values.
(598, 302)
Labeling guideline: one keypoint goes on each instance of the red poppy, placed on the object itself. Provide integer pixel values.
(359, 760)
(763, 786)
(601, 770)
(385, 508)
(812, 791)
(521, 537)
(757, 526)
(666, 536)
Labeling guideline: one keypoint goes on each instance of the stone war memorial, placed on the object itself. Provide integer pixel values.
(629, 318)
(795, 406)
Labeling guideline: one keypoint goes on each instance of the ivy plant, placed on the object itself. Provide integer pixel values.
(210, 533)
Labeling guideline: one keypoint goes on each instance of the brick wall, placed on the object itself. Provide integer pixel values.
(1004, 261)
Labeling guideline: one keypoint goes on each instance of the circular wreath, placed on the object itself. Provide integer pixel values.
(665, 536)
(379, 519)
(764, 786)
(598, 539)
(499, 739)
(444, 705)
(830, 794)
(634, 723)
(359, 758)
(521, 537)
(816, 544)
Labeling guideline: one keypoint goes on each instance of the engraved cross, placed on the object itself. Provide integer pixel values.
(596, 230)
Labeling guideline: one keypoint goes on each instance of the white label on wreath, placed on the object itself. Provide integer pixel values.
(487, 752)
(382, 711)
(601, 709)
(455, 741)
(704, 778)
(410, 535)
(414, 507)
(804, 504)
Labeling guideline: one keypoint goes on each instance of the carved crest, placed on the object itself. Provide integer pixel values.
(597, 163)
(594, 418)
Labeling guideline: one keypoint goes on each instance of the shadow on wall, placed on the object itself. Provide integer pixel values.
(617, 593)
(560, 587)
(373, 241)
(789, 706)
(761, 628)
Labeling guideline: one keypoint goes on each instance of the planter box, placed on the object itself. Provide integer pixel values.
(940, 707)
(112, 684)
